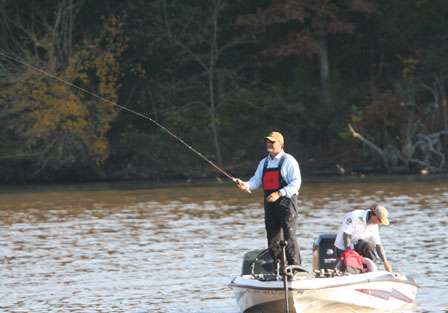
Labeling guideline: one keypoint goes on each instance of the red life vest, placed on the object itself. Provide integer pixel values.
(272, 178)
(350, 261)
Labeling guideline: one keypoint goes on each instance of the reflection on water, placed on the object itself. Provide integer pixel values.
(128, 249)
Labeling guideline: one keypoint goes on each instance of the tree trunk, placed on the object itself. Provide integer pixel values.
(372, 89)
(211, 86)
(444, 103)
(324, 71)
(213, 116)
(444, 107)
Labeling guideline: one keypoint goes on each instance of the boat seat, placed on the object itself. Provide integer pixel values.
(370, 265)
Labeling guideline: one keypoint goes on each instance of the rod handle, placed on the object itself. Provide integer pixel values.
(237, 181)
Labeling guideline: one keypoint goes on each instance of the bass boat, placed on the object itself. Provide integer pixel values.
(265, 287)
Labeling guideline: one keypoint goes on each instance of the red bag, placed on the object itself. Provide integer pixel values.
(350, 261)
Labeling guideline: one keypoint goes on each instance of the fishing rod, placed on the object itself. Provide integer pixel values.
(122, 107)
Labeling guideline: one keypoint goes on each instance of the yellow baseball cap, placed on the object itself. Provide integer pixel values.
(382, 214)
(275, 136)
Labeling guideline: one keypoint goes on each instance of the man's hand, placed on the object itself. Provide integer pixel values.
(387, 266)
(273, 197)
(242, 184)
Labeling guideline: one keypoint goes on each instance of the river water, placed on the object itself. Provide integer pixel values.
(131, 248)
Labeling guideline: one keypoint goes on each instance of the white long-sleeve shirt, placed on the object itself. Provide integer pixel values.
(290, 172)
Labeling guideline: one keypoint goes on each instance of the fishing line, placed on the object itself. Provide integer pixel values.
(53, 76)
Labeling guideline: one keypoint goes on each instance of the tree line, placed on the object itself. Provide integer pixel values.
(354, 85)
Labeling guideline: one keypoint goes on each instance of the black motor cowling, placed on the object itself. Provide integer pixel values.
(324, 252)
(258, 262)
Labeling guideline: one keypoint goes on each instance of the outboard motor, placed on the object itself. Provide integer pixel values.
(324, 252)
(257, 262)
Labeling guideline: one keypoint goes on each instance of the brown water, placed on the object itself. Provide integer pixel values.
(135, 249)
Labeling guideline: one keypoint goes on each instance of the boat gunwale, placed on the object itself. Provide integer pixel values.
(408, 282)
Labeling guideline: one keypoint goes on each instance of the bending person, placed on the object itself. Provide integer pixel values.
(360, 231)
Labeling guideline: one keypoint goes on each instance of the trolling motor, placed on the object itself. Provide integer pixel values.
(284, 273)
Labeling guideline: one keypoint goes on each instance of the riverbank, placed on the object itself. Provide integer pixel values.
(209, 182)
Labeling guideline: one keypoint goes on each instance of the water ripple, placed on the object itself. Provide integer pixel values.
(175, 250)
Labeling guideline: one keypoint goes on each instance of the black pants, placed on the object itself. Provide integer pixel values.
(364, 248)
(281, 223)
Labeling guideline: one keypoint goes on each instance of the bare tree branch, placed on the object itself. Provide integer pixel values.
(178, 42)
(370, 144)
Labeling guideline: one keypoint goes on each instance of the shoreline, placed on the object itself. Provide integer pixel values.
(210, 182)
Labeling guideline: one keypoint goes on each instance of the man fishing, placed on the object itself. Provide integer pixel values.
(279, 175)
(359, 231)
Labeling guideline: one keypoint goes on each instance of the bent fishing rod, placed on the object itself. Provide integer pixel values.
(122, 107)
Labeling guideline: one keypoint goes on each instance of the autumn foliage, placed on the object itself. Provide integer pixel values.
(56, 126)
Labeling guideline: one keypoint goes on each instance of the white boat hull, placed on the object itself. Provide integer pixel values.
(376, 290)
